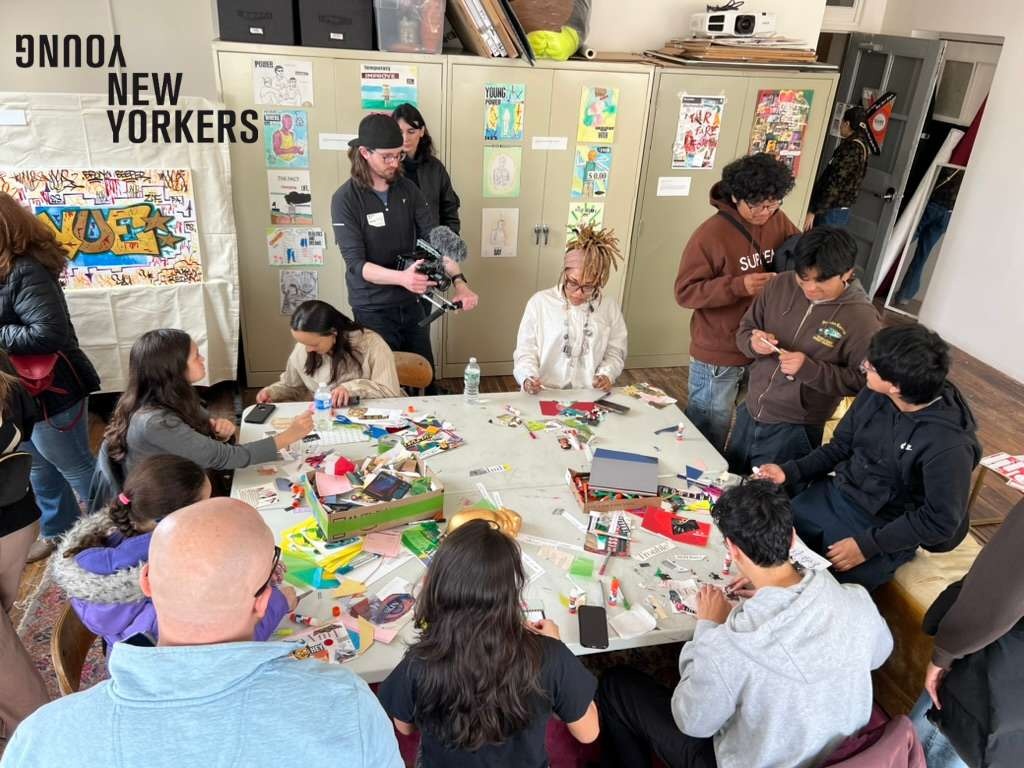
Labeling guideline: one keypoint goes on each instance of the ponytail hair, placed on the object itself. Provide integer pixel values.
(857, 117)
(321, 318)
(158, 486)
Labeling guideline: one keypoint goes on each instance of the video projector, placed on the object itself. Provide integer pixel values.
(732, 24)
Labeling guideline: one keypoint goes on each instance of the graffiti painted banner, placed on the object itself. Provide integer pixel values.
(119, 227)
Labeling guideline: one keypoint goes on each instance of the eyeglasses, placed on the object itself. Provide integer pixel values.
(770, 206)
(572, 285)
(273, 570)
(389, 158)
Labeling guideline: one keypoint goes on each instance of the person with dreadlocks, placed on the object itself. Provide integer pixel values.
(571, 336)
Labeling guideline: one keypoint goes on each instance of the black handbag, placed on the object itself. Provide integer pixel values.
(14, 477)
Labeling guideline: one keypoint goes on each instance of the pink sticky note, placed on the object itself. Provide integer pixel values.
(385, 543)
(549, 408)
(331, 485)
(385, 634)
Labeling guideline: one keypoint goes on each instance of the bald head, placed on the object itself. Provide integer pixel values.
(206, 561)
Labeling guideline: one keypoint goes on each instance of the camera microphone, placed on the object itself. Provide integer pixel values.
(449, 244)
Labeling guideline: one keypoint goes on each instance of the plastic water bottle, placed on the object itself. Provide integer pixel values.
(471, 382)
(322, 408)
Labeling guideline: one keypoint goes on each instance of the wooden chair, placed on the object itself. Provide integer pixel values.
(414, 371)
(69, 647)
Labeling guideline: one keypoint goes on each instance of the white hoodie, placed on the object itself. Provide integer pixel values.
(786, 678)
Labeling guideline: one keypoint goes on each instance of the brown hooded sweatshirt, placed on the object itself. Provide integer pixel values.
(834, 335)
(710, 280)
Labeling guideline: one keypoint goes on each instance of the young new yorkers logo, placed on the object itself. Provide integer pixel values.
(144, 98)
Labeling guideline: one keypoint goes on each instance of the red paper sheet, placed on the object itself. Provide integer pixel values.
(660, 521)
(586, 407)
(549, 408)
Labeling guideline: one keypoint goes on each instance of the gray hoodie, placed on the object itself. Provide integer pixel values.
(786, 678)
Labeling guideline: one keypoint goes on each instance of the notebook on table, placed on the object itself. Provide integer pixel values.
(624, 472)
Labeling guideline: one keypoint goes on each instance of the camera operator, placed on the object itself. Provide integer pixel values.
(377, 216)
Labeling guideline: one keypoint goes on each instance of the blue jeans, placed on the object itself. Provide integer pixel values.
(753, 442)
(938, 752)
(712, 394)
(930, 229)
(61, 461)
(833, 217)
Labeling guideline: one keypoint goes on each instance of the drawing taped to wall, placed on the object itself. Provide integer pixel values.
(504, 110)
(290, 199)
(277, 81)
(599, 108)
(298, 246)
(584, 213)
(499, 233)
(383, 87)
(119, 227)
(591, 170)
(697, 132)
(286, 138)
(297, 286)
(501, 171)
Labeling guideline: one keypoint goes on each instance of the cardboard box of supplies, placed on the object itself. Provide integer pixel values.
(598, 501)
(359, 520)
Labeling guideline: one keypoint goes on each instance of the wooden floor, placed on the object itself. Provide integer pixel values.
(994, 398)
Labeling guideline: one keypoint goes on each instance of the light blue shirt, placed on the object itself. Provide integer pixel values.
(243, 705)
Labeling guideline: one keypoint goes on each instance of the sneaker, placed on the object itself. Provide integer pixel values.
(40, 550)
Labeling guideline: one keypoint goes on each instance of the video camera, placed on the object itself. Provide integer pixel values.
(443, 242)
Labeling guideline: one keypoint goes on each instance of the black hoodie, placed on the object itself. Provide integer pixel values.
(912, 471)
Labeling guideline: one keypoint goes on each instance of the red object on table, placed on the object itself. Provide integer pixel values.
(660, 521)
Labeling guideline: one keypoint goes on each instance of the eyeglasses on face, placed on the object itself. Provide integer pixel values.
(389, 157)
(273, 569)
(768, 206)
(573, 285)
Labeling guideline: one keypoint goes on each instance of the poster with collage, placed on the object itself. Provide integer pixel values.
(298, 246)
(504, 111)
(286, 138)
(289, 197)
(382, 87)
(119, 227)
(591, 170)
(697, 132)
(598, 110)
(780, 125)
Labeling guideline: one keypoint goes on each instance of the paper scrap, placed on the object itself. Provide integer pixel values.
(385, 543)
(583, 567)
(534, 570)
(378, 569)
(660, 548)
(366, 634)
(550, 143)
(350, 587)
(549, 408)
(335, 142)
(397, 586)
(632, 623)
(557, 556)
(673, 186)
(807, 558)
(490, 470)
(13, 117)
(332, 485)
(579, 524)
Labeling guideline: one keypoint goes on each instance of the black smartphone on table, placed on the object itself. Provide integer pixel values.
(260, 413)
(593, 626)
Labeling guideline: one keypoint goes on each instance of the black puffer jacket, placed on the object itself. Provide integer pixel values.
(34, 320)
(430, 175)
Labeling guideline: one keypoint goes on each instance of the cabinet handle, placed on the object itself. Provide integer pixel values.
(545, 229)
(536, 235)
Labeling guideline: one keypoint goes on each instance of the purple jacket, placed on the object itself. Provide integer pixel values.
(103, 584)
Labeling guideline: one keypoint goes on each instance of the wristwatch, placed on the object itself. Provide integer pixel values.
(461, 276)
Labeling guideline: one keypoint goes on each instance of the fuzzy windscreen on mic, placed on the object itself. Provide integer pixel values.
(448, 243)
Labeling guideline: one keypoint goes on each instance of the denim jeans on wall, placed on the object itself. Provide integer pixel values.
(712, 394)
(929, 231)
(62, 466)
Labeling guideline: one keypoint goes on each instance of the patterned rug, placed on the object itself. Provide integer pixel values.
(36, 629)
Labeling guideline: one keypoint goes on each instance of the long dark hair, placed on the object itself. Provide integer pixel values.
(155, 488)
(857, 117)
(22, 234)
(156, 379)
(412, 116)
(321, 318)
(479, 665)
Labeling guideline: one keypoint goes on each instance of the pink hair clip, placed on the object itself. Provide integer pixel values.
(124, 499)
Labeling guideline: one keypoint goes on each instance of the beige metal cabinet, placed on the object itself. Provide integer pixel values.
(659, 333)
(552, 111)
(337, 109)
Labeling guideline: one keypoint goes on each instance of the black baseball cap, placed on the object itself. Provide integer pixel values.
(378, 131)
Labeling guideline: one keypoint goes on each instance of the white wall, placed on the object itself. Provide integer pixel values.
(976, 297)
(155, 36)
(616, 25)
